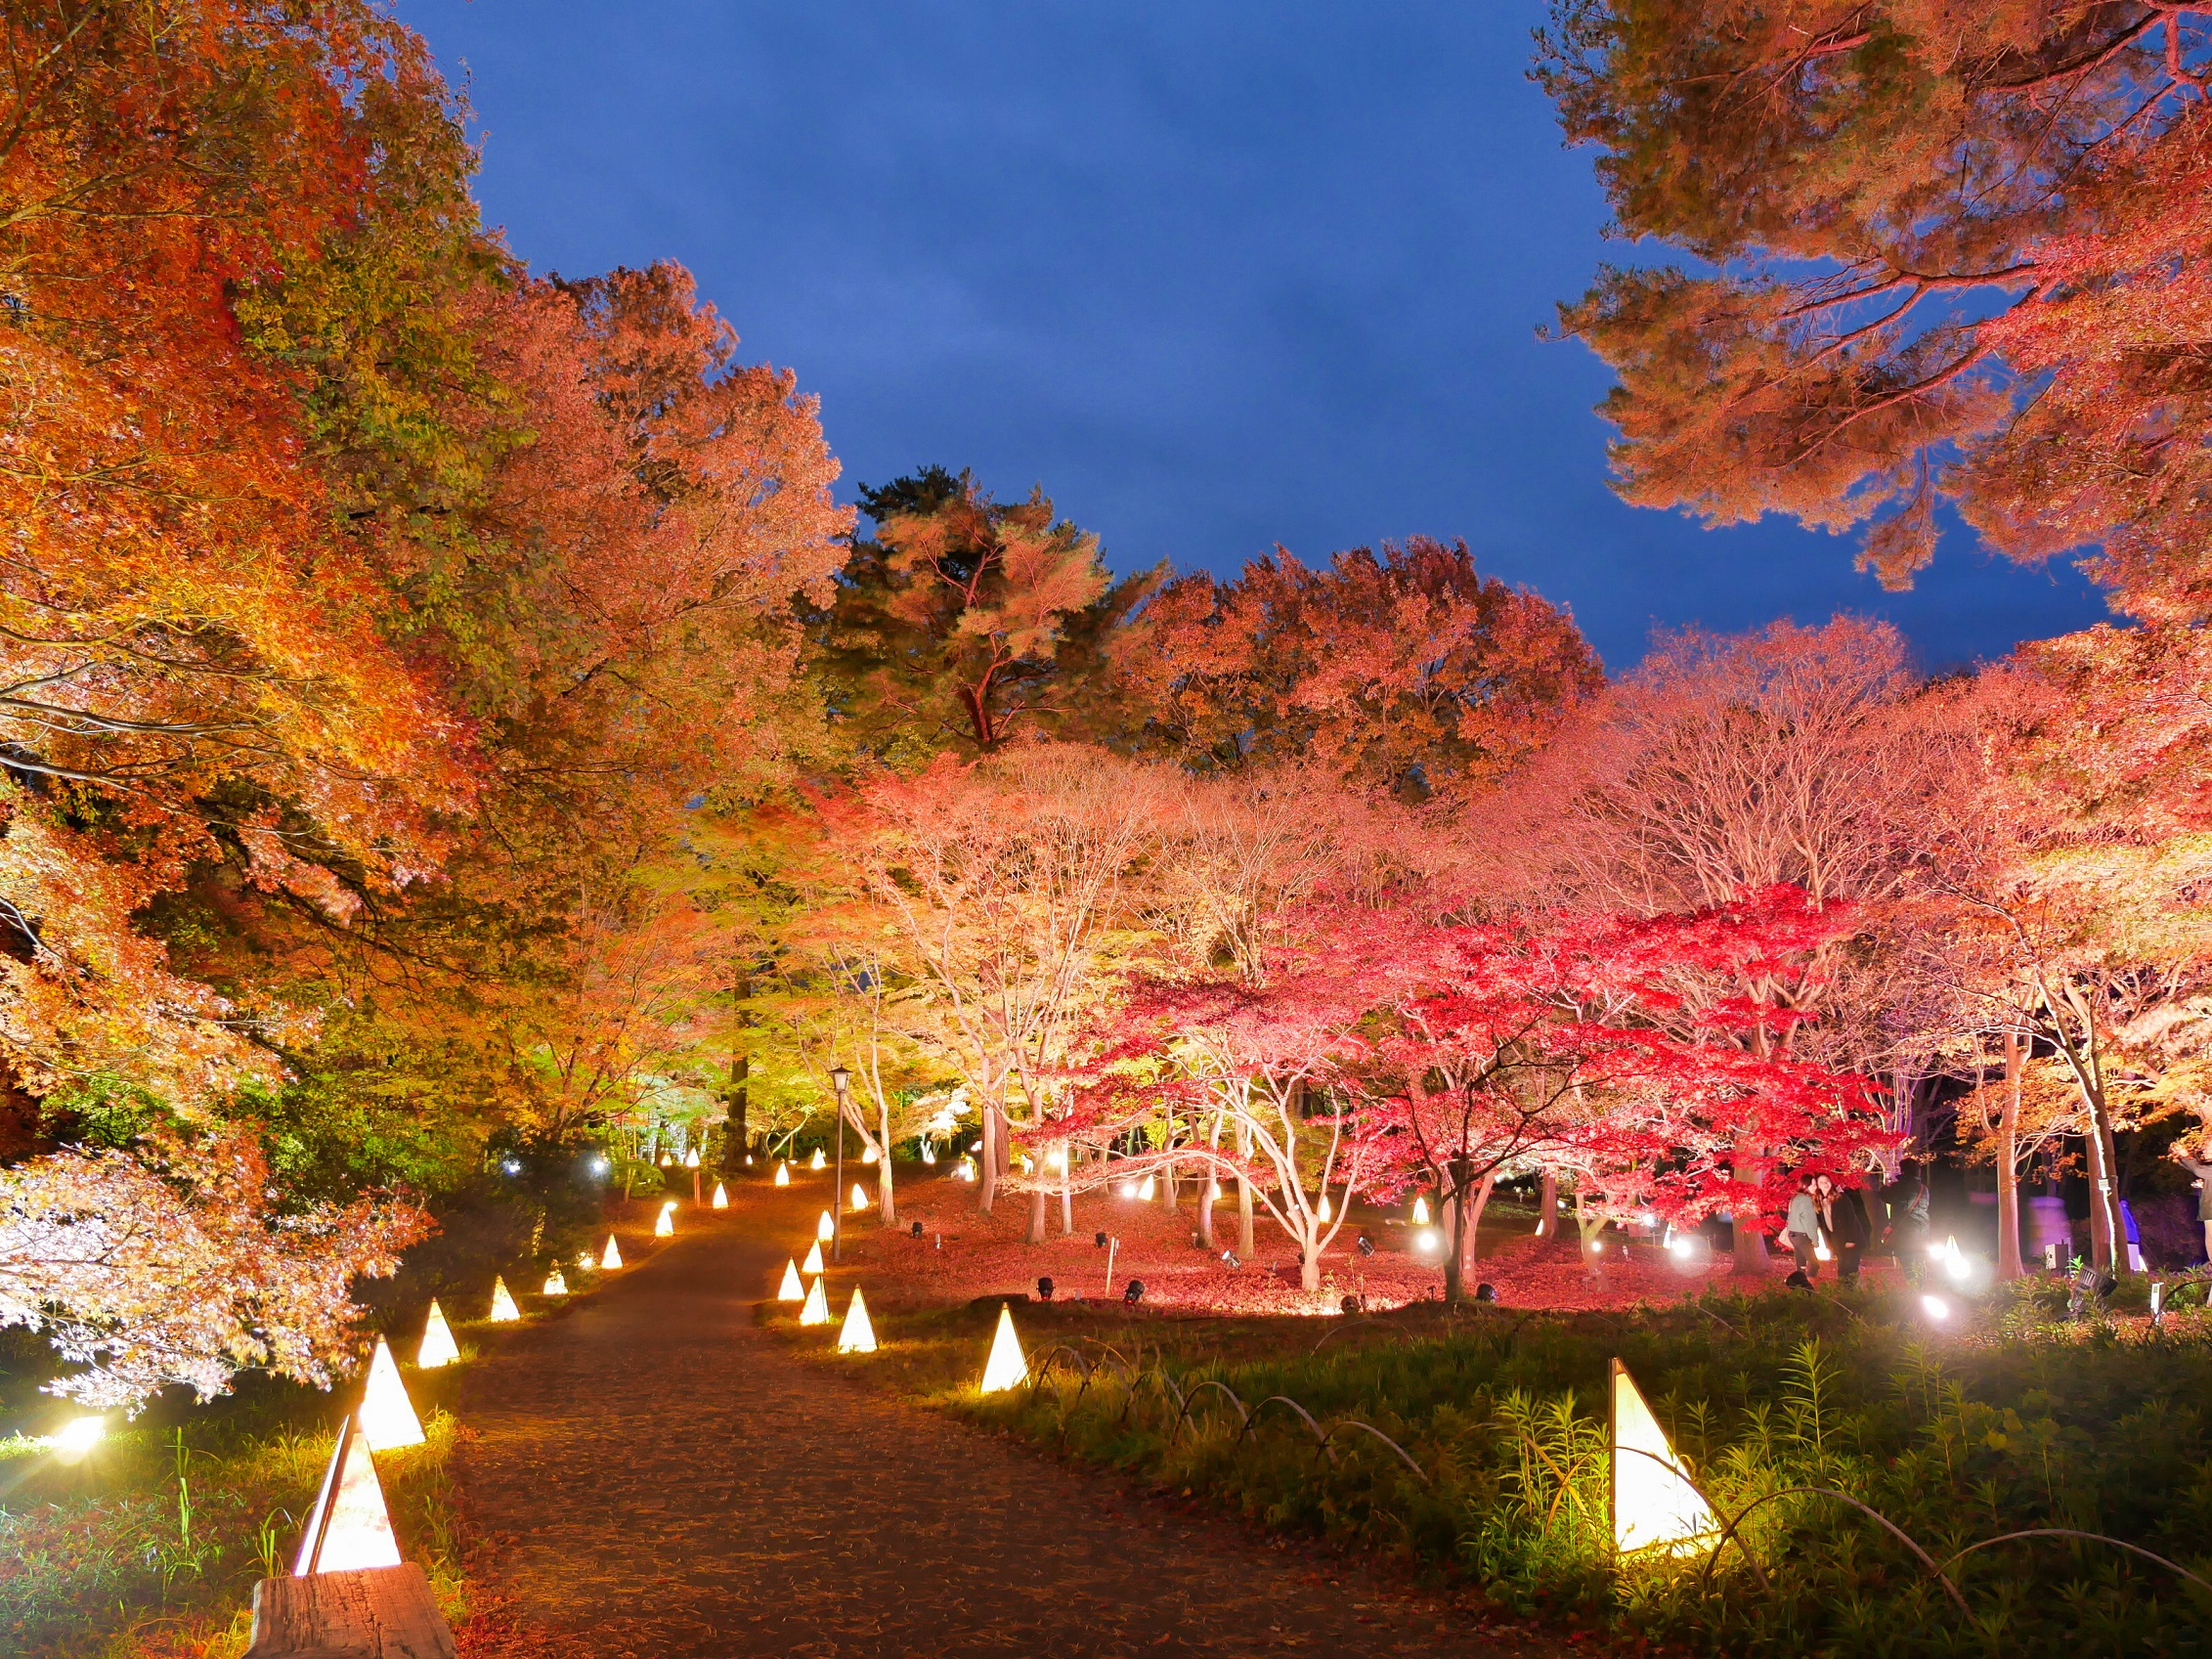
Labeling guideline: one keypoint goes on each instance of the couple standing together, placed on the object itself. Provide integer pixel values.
(1820, 1211)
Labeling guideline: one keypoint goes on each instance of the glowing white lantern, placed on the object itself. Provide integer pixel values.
(1935, 1307)
(691, 1159)
(1420, 1210)
(664, 1226)
(1426, 1241)
(813, 1263)
(610, 1258)
(1213, 1189)
(857, 1336)
(349, 1529)
(721, 1199)
(1145, 1189)
(859, 1196)
(1821, 1251)
(783, 1173)
(826, 1228)
(817, 1308)
(1955, 1264)
(583, 1261)
(868, 1153)
(1007, 1367)
(78, 1436)
(387, 1415)
(791, 1290)
(966, 1169)
(928, 1153)
(1326, 1215)
(1055, 1161)
(503, 1310)
(555, 1284)
(438, 1347)
(817, 1161)
(1653, 1500)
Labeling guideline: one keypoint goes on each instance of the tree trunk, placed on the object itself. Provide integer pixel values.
(1751, 1232)
(1038, 1211)
(1455, 1220)
(2008, 1263)
(736, 1137)
(1310, 1264)
(986, 1164)
(1067, 1187)
(1472, 1250)
(1245, 1248)
(1548, 1207)
(887, 1196)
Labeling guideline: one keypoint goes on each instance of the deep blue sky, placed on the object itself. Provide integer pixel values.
(1216, 275)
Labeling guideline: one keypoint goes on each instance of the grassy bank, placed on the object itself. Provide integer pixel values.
(1954, 1436)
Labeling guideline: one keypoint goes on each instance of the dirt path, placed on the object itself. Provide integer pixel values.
(657, 1478)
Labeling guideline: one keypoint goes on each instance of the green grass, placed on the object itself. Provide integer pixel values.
(1955, 1437)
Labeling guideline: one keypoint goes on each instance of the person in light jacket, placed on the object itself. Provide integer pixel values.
(2203, 1174)
(1801, 1228)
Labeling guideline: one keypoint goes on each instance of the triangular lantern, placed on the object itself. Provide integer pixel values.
(1420, 1212)
(387, 1415)
(1326, 1215)
(857, 1336)
(928, 1153)
(503, 1310)
(783, 1173)
(555, 1284)
(610, 1258)
(859, 1196)
(665, 1228)
(813, 1263)
(438, 1347)
(1653, 1500)
(1145, 1189)
(791, 1290)
(1007, 1367)
(721, 1198)
(691, 1159)
(826, 1228)
(868, 1153)
(817, 1161)
(349, 1528)
(817, 1308)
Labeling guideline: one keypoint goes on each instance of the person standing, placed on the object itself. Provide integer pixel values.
(2202, 1170)
(1908, 1219)
(1801, 1228)
(1849, 1230)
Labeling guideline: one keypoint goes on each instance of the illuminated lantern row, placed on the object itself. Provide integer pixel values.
(349, 1529)
(721, 1198)
(438, 1347)
(610, 1258)
(817, 1161)
(503, 1310)
(555, 1284)
(857, 1336)
(791, 1290)
(813, 1263)
(1654, 1503)
(783, 1173)
(387, 1415)
(665, 1227)
(826, 1228)
(1007, 1367)
(859, 1196)
(817, 1308)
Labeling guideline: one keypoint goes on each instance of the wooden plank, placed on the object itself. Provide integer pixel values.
(376, 1613)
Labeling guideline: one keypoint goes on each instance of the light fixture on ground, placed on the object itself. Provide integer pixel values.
(813, 1265)
(791, 1290)
(438, 1347)
(503, 1310)
(1007, 1367)
(1420, 1210)
(860, 1197)
(1654, 1503)
(825, 1229)
(584, 1263)
(817, 1308)
(77, 1437)
(1326, 1215)
(1426, 1241)
(1935, 1307)
(610, 1258)
(691, 1159)
(817, 1161)
(387, 1415)
(928, 1153)
(721, 1197)
(349, 1529)
(783, 1173)
(856, 1335)
(1147, 1187)
(555, 1284)
(664, 1226)
(868, 1153)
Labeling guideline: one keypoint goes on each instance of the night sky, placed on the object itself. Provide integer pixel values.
(1216, 275)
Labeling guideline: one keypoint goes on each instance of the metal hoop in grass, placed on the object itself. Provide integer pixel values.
(1370, 1428)
(1191, 1399)
(1876, 1515)
(1159, 1379)
(1320, 1440)
(1044, 1367)
(1098, 1368)
(2069, 1531)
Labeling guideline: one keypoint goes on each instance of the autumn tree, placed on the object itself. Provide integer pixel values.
(966, 623)
(1409, 671)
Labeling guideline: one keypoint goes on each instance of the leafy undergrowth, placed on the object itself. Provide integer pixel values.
(1954, 1438)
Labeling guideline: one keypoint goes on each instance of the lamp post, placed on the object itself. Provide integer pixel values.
(840, 1079)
